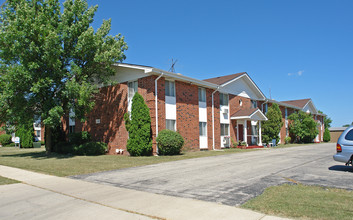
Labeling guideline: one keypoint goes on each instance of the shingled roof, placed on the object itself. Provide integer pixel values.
(244, 112)
(223, 79)
(299, 103)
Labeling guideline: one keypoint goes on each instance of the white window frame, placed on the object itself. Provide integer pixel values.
(134, 86)
(224, 124)
(202, 94)
(166, 124)
(203, 129)
(224, 97)
(170, 89)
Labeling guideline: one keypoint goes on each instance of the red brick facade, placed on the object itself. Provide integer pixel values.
(105, 123)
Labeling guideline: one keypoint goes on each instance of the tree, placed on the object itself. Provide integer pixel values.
(347, 125)
(51, 60)
(273, 125)
(303, 127)
(140, 139)
(25, 132)
(327, 136)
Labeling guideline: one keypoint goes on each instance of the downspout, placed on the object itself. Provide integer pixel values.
(156, 106)
(213, 146)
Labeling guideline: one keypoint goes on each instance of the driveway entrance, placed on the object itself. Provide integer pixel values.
(233, 179)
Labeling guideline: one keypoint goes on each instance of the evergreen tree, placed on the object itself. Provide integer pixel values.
(272, 127)
(327, 136)
(303, 127)
(140, 140)
(25, 132)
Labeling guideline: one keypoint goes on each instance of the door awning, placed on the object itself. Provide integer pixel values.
(253, 114)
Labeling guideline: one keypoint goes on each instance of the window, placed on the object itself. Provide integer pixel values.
(132, 89)
(202, 126)
(169, 88)
(265, 108)
(202, 95)
(285, 112)
(170, 124)
(223, 99)
(224, 129)
(253, 104)
(38, 133)
(349, 135)
(71, 129)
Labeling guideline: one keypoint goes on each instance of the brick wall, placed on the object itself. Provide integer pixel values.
(111, 105)
(187, 114)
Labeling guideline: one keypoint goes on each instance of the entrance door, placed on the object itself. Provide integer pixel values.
(241, 132)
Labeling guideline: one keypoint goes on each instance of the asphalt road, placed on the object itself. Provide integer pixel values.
(233, 179)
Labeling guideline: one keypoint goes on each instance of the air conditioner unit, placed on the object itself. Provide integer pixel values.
(226, 141)
(225, 111)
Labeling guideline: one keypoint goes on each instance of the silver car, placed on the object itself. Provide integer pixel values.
(344, 147)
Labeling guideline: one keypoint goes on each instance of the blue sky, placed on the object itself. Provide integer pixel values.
(298, 49)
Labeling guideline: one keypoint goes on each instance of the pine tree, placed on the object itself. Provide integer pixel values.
(327, 136)
(273, 125)
(140, 140)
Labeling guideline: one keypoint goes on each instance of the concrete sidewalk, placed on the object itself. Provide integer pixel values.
(92, 201)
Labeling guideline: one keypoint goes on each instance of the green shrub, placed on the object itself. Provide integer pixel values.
(26, 134)
(287, 140)
(243, 143)
(169, 142)
(303, 127)
(79, 138)
(327, 136)
(9, 145)
(64, 148)
(140, 139)
(272, 127)
(91, 148)
(5, 139)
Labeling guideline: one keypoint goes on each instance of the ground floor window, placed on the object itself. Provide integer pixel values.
(224, 129)
(202, 126)
(170, 124)
(71, 129)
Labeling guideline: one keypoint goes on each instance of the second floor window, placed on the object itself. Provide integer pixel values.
(253, 104)
(169, 88)
(202, 95)
(132, 89)
(223, 99)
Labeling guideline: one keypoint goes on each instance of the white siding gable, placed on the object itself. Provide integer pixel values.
(242, 87)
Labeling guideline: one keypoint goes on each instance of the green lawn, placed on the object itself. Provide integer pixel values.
(4, 181)
(35, 159)
(304, 202)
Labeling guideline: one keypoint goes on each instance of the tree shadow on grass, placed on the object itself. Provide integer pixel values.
(39, 155)
(342, 168)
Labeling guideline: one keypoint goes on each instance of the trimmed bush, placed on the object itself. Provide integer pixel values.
(79, 138)
(287, 140)
(5, 139)
(12, 144)
(91, 148)
(169, 142)
(327, 136)
(26, 134)
(140, 139)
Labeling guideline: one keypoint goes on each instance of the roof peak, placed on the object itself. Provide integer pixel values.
(219, 80)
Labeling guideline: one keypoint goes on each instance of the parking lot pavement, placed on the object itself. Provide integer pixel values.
(41, 196)
(235, 178)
